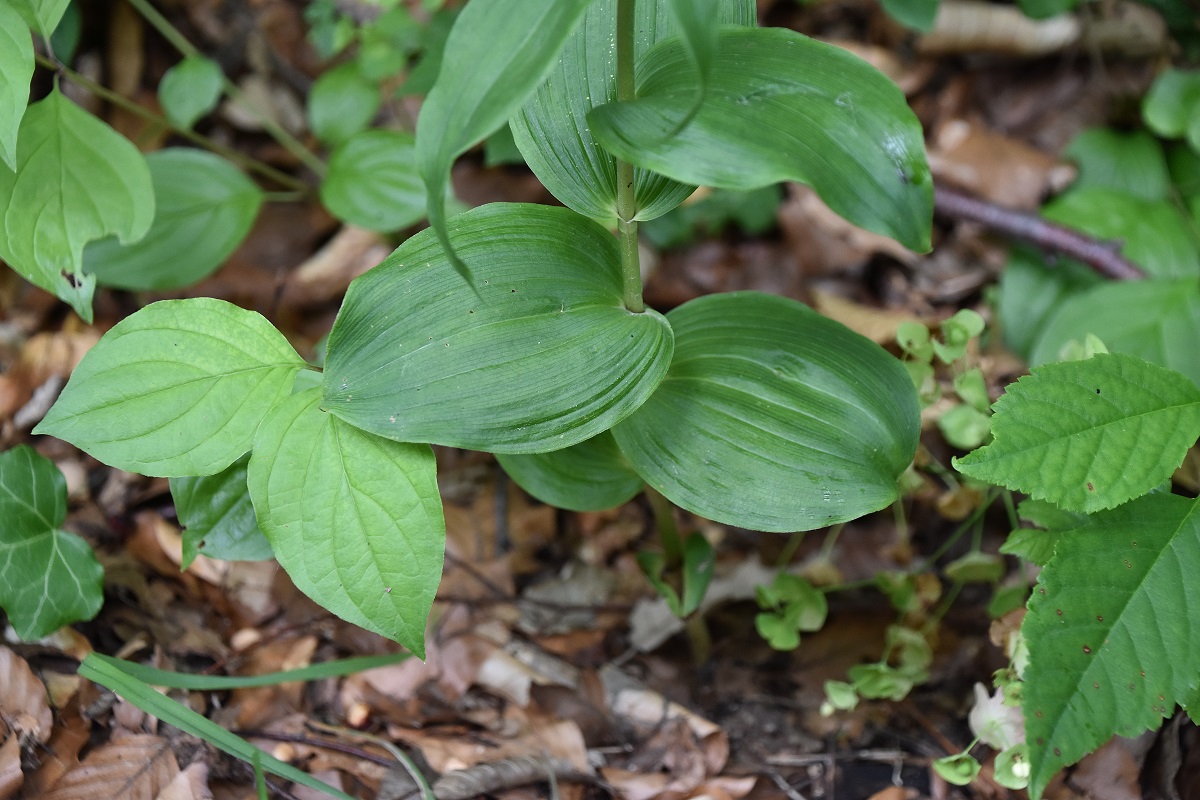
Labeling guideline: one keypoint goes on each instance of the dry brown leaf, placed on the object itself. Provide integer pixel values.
(559, 740)
(877, 324)
(970, 26)
(994, 167)
(895, 793)
(126, 50)
(191, 784)
(43, 357)
(1111, 773)
(62, 751)
(24, 708)
(259, 705)
(134, 767)
(11, 776)
(325, 276)
(824, 242)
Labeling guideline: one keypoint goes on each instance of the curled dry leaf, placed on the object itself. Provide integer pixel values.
(191, 784)
(326, 274)
(134, 767)
(969, 26)
(11, 776)
(824, 242)
(24, 709)
(995, 167)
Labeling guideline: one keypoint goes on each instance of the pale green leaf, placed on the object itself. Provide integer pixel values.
(355, 520)
(552, 130)
(51, 577)
(373, 182)
(773, 417)
(1089, 435)
(916, 14)
(781, 107)
(1172, 107)
(539, 355)
(1113, 630)
(42, 16)
(204, 208)
(176, 389)
(342, 103)
(190, 89)
(16, 70)
(1031, 293)
(1130, 162)
(498, 51)
(76, 180)
(589, 476)
(218, 517)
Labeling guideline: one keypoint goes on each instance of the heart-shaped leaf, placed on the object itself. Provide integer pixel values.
(773, 417)
(589, 476)
(539, 355)
(355, 520)
(16, 70)
(190, 89)
(781, 107)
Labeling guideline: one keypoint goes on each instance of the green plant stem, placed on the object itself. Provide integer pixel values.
(120, 101)
(790, 548)
(668, 533)
(631, 268)
(277, 132)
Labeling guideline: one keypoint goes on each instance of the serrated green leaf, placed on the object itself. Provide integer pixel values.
(497, 53)
(42, 16)
(1034, 546)
(218, 517)
(76, 180)
(1113, 633)
(175, 389)
(342, 103)
(1164, 330)
(16, 70)
(781, 107)
(916, 14)
(590, 476)
(190, 89)
(552, 130)
(373, 182)
(539, 355)
(773, 417)
(355, 520)
(51, 577)
(1172, 106)
(1089, 435)
(204, 208)
(1130, 162)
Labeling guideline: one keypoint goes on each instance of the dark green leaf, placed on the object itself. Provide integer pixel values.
(1041, 9)
(589, 476)
(190, 89)
(1127, 162)
(917, 14)
(1172, 108)
(781, 107)
(42, 16)
(1031, 293)
(539, 355)
(1034, 546)
(373, 182)
(219, 517)
(16, 70)
(773, 417)
(342, 103)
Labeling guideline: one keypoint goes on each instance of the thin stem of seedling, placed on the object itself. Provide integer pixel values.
(790, 548)
(831, 541)
(668, 533)
(1014, 519)
(120, 101)
(186, 48)
(631, 268)
(963, 527)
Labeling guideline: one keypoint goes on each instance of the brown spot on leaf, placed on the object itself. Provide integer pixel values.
(1087, 650)
(1091, 488)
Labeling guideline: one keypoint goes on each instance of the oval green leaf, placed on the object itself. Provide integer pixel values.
(355, 520)
(1172, 107)
(1131, 162)
(781, 107)
(175, 389)
(204, 208)
(76, 180)
(773, 417)
(589, 476)
(190, 89)
(373, 182)
(16, 70)
(342, 103)
(538, 356)
(552, 130)
(218, 517)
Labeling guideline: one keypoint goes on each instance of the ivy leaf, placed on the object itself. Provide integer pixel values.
(773, 417)
(218, 517)
(16, 70)
(190, 89)
(547, 358)
(373, 182)
(498, 51)
(589, 476)
(76, 180)
(355, 520)
(205, 208)
(342, 103)
(51, 577)
(175, 389)
(1113, 630)
(781, 107)
(1089, 435)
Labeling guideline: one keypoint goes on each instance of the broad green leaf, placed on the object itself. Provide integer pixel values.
(204, 208)
(1127, 162)
(916, 14)
(497, 53)
(697, 22)
(51, 577)
(76, 180)
(589, 476)
(342, 103)
(1184, 165)
(1041, 9)
(773, 417)
(1089, 435)
(1172, 107)
(16, 70)
(65, 39)
(42, 16)
(552, 130)
(781, 107)
(539, 355)
(1164, 329)
(190, 89)
(218, 517)
(1036, 547)
(1031, 293)
(1152, 233)
(1113, 631)
(373, 182)
(175, 389)
(354, 519)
